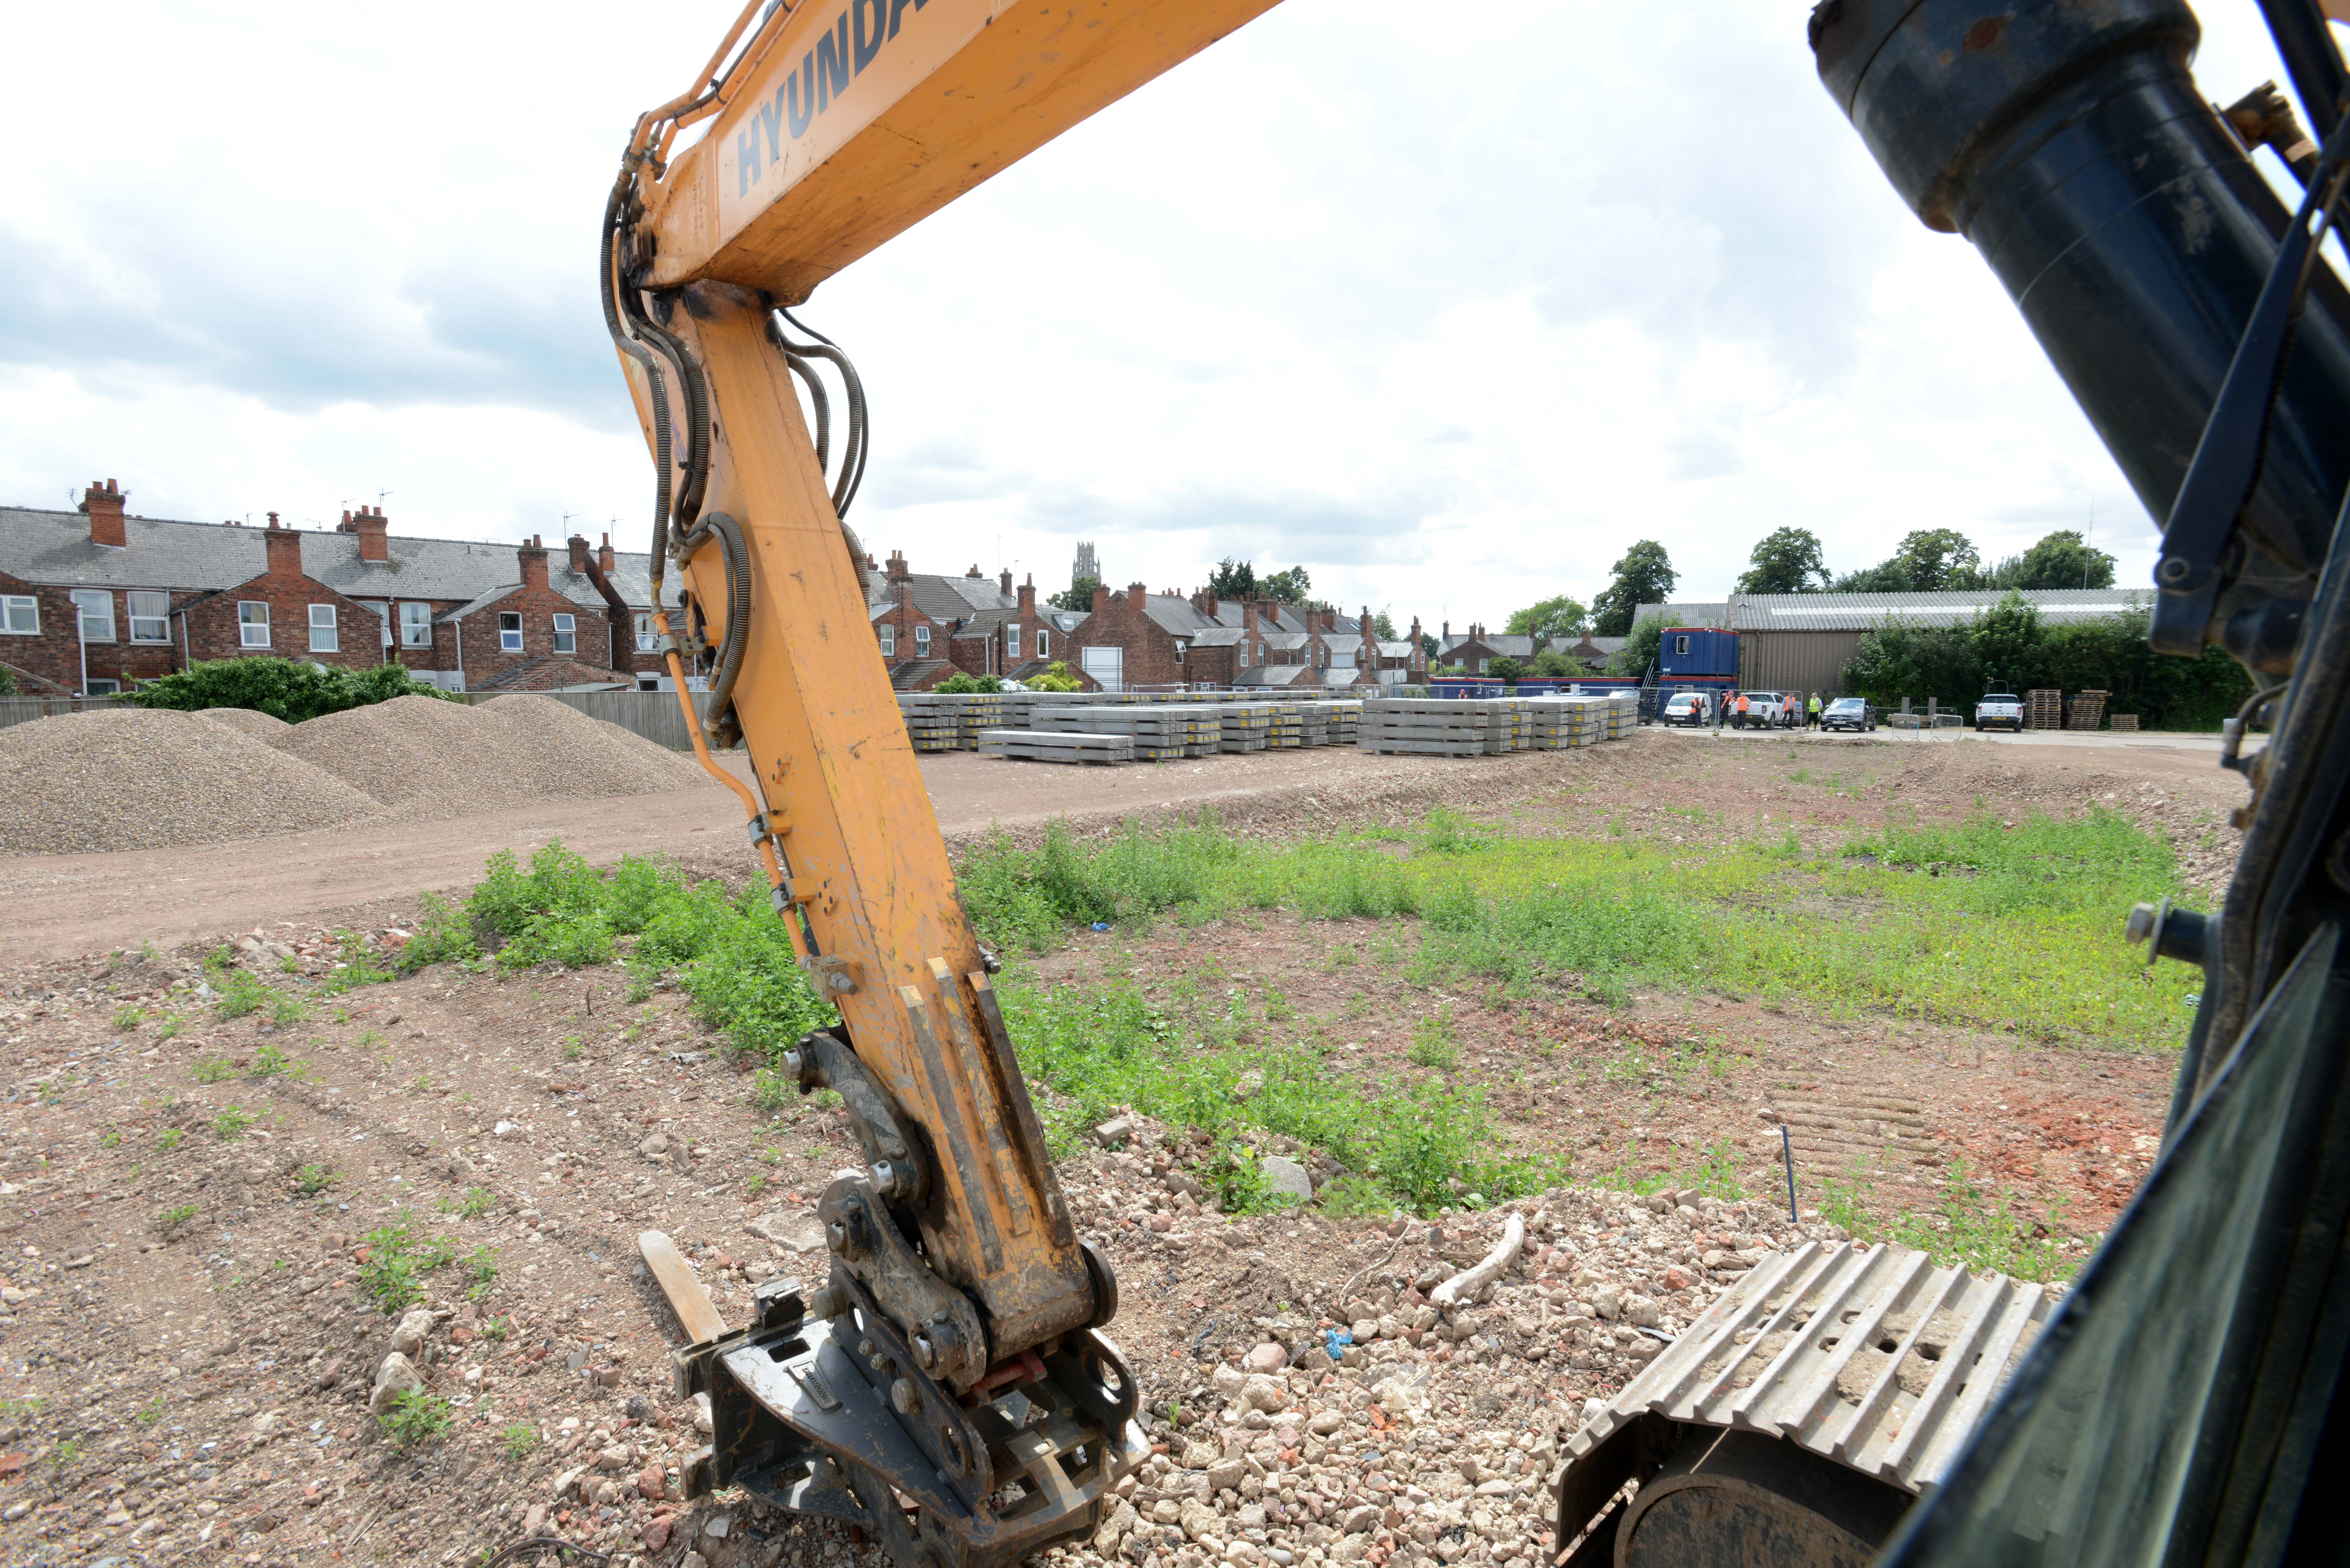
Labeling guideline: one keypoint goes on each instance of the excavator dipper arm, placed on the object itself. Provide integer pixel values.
(947, 1387)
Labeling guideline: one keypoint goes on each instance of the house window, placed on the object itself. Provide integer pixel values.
(323, 638)
(1044, 644)
(20, 613)
(922, 642)
(151, 616)
(1243, 656)
(566, 634)
(1179, 646)
(645, 633)
(510, 631)
(96, 607)
(1011, 642)
(889, 642)
(97, 687)
(253, 623)
(415, 624)
(1681, 645)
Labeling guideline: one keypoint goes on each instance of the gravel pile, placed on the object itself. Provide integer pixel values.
(264, 727)
(138, 778)
(432, 760)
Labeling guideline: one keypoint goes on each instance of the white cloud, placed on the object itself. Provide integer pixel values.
(1449, 306)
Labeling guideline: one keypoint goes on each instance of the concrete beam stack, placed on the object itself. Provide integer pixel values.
(1056, 746)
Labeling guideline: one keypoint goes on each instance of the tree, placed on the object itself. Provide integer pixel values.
(1383, 629)
(1788, 561)
(958, 684)
(1644, 643)
(2007, 640)
(2060, 560)
(1056, 678)
(1429, 646)
(1553, 665)
(1232, 579)
(1289, 588)
(1645, 576)
(1926, 561)
(1549, 620)
(1078, 595)
(1505, 670)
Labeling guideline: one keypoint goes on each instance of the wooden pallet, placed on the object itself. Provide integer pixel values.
(2085, 711)
(2044, 709)
(2122, 723)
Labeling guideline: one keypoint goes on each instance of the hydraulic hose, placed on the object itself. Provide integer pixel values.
(615, 210)
(736, 552)
(858, 443)
(806, 373)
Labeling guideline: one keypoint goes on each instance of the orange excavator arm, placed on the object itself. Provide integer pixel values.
(947, 1387)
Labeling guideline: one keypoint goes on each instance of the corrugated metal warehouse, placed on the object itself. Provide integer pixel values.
(1801, 642)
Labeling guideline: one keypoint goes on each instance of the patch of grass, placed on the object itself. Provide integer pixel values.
(269, 1062)
(67, 1453)
(149, 1413)
(285, 1011)
(481, 1272)
(169, 1026)
(771, 1090)
(169, 1138)
(213, 1069)
(574, 1048)
(129, 1016)
(1432, 1045)
(1354, 1197)
(1863, 933)
(477, 1201)
(316, 1178)
(111, 1139)
(355, 966)
(517, 1441)
(416, 1417)
(494, 1329)
(1716, 1174)
(1974, 1226)
(172, 1218)
(230, 1124)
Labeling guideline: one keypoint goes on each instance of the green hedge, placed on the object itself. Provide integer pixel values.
(288, 688)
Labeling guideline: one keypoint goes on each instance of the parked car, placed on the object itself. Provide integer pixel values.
(1852, 714)
(1998, 708)
(1688, 709)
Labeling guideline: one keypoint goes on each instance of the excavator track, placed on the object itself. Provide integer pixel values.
(1797, 1418)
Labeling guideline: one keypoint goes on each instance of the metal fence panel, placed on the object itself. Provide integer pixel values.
(654, 715)
(25, 710)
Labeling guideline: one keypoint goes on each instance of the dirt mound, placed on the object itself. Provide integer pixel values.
(264, 727)
(432, 760)
(139, 778)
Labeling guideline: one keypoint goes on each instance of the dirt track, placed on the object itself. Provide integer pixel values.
(61, 905)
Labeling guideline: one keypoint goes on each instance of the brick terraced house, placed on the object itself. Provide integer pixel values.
(1138, 638)
(94, 599)
(932, 627)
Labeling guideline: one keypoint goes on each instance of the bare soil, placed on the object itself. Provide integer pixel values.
(186, 1358)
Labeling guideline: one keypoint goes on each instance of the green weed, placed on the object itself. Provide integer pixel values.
(230, 1124)
(396, 1261)
(149, 1413)
(481, 1269)
(269, 1062)
(240, 993)
(169, 1025)
(169, 1138)
(415, 1418)
(1432, 1045)
(111, 1139)
(518, 1439)
(316, 1178)
(172, 1218)
(129, 1016)
(213, 1069)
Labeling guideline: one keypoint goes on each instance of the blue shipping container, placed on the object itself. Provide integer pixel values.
(1697, 651)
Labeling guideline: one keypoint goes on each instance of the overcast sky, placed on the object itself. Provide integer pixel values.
(1447, 314)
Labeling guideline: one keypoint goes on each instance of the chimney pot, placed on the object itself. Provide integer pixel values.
(1135, 595)
(1003, 582)
(898, 570)
(284, 548)
(578, 543)
(605, 557)
(532, 557)
(370, 527)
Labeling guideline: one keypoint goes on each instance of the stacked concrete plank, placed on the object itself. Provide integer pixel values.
(1056, 746)
(1623, 713)
(1346, 717)
(1433, 726)
(931, 722)
(1160, 731)
(1288, 729)
(1247, 726)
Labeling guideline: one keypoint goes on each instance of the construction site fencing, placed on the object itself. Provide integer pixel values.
(25, 710)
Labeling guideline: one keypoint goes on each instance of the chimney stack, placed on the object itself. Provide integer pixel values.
(1101, 597)
(898, 570)
(608, 560)
(1028, 597)
(369, 523)
(973, 571)
(284, 547)
(1135, 595)
(1003, 582)
(532, 559)
(104, 510)
(578, 543)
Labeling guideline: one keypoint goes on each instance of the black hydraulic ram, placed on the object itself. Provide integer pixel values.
(2067, 140)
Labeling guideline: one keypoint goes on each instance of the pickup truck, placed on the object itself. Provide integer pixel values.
(1998, 709)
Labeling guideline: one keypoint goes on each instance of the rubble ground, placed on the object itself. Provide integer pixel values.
(231, 1194)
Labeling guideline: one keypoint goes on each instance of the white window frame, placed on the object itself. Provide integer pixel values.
(95, 687)
(1244, 663)
(509, 635)
(17, 608)
(566, 634)
(1011, 645)
(248, 623)
(1044, 643)
(1179, 646)
(922, 642)
(646, 636)
(94, 603)
(160, 621)
(325, 637)
(1681, 646)
(888, 640)
(415, 631)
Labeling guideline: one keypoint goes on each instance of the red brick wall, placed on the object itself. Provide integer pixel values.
(1149, 651)
(54, 655)
(902, 618)
(214, 630)
(483, 659)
